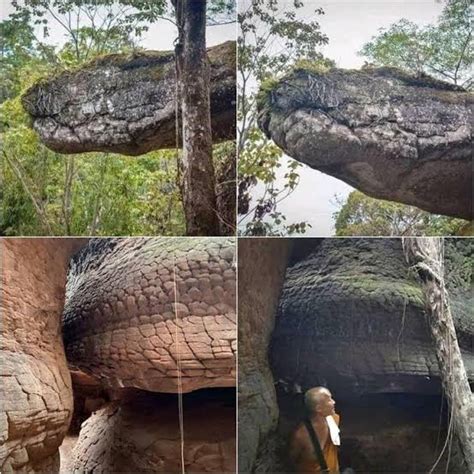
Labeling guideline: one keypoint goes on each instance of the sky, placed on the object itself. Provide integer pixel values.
(349, 24)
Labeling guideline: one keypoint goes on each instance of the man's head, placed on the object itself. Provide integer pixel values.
(319, 400)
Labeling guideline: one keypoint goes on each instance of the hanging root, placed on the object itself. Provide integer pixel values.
(178, 366)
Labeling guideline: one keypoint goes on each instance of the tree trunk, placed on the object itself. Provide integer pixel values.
(198, 178)
(426, 256)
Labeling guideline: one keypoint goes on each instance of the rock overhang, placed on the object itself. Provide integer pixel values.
(126, 103)
(391, 135)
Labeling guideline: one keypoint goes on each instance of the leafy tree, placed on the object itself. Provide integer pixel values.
(271, 40)
(362, 215)
(443, 50)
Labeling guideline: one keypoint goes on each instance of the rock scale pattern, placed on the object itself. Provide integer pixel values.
(352, 316)
(35, 391)
(389, 135)
(126, 104)
(122, 324)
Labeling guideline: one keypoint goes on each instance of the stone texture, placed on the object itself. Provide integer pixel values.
(124, 325)
(125, 103)
(389, 135)
(35, 390)
(352, 316)
(142, 435)
(262, 264)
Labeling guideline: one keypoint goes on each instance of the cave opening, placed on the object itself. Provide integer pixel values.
(380, 432)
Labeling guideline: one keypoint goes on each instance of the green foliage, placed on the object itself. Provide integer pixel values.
(220, 12)
(107, 194)
(320, 66)
(263, 24)
(361, 215)
(443, 50)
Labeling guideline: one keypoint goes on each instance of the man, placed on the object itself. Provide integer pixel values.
(320, 411)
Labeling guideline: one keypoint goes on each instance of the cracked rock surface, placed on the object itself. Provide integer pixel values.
(263, 263)
(389, 135)
(142, 435)
(124, 324)
(35, 391)
(352, 316)
(126, 103)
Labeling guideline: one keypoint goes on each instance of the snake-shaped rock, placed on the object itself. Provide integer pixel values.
(140, 316)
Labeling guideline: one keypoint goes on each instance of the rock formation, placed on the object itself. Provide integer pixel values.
(140, 434)
(262, 268)
(351, 317)
(126, 103)
(390, 135)
(356, 308)
(121, 323)
(124, 324)
(35, 390)
(154, 315)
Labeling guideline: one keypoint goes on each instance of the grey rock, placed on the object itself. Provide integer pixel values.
(390, 135)
(126, 103)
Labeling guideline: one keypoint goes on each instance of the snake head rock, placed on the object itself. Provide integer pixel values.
(126, 103)
(388, 134)
(153, 314)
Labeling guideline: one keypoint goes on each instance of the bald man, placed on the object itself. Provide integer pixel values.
(320, 410)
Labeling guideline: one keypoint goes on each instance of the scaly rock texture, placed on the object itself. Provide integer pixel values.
(142, 435)
(352, 316)
(126, 103)
(124, 324)
(262, 268)
(35, 391)
(390, 135)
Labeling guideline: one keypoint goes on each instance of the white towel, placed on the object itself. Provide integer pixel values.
(333, 430)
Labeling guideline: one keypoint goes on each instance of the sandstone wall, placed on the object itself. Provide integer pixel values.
(35, 394)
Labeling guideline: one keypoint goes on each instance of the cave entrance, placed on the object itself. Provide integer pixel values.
(380, 432)
(143, 430)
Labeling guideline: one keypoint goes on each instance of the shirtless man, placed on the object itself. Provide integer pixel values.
(320, 410)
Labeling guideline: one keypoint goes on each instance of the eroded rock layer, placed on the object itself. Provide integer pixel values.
(261, 272)
(352, 317)
(125, 324)
(35, 390)
(126, 103)
(389, 135)
(142, 435)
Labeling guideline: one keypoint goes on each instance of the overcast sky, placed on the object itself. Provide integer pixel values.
(348, 24)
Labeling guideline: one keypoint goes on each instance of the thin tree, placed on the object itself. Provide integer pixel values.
(425, 255)
(198, 176)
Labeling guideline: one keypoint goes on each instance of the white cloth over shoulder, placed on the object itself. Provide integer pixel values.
(333, 430)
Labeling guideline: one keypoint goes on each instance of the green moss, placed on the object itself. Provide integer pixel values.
(133, 60)
(266, 88)
(307, 65)
(377, 287)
